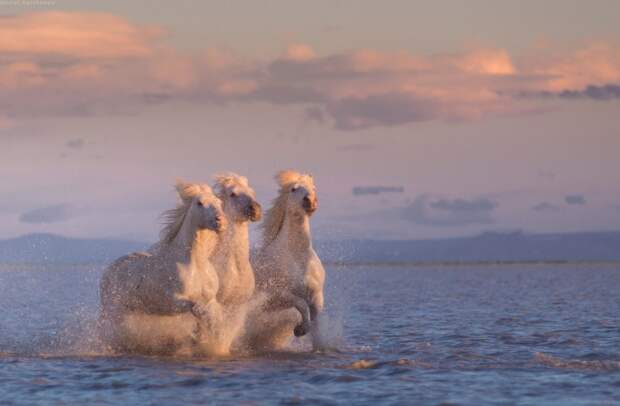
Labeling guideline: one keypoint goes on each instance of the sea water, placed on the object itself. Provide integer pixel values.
(528, 334)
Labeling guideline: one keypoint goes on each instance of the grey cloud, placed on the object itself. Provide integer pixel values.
(375, 190)
(575, 199)
(310, 81)
(606, 92)
(76, 143)
(356, 147)
(50, 214)
(462, 205)
(333, 67)
(546, 174)
(602, 93)
(446, 212)
(315, 114)
(545, 207)
(380, 110)
(287, 94)
(155, 98)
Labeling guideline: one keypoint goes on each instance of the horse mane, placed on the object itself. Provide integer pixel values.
(173, 219)
(274, 217)
(228, 179)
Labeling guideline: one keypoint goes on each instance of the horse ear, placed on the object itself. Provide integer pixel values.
(220, 179)
(287, 176)
(186, 190)
(223, 180)
(180, 185)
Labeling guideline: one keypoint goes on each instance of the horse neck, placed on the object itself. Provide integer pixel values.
(234, 242)
(192, 245)
(295, 235)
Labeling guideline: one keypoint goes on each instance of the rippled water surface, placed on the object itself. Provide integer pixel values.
(401, 335)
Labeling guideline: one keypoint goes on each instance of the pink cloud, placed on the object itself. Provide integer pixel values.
(595, 64)
(299, 52)
(61, 63)
(76, 34)
(487, 62)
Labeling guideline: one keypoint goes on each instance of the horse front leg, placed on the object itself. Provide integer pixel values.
(302, 307)
(316, 308)
(208, 314)
(286, 300)
(182, 305)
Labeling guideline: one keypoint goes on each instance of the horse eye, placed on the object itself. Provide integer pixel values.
(233, 194)
(294, 189)
(199, 203)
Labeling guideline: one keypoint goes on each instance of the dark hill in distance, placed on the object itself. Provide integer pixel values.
(487, 247)
(53, 249)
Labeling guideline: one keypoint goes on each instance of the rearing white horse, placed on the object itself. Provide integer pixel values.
(176, 283)
(287, 268)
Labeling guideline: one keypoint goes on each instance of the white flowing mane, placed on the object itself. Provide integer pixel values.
(226, 180)
(274, 217)
(174, 218)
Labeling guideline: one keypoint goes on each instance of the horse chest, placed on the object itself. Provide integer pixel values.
(200, 282)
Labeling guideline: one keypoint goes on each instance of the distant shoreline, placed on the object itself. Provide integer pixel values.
(487, 249)
(7, 266)
(397, 264)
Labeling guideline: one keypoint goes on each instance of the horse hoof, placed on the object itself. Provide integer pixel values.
(299, 330)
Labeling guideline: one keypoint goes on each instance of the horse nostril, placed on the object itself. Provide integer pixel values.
(253, 211)
(306, 199)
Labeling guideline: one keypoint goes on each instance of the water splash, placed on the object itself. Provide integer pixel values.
(577, 364)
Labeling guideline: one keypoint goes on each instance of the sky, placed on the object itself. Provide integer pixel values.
(418, 119)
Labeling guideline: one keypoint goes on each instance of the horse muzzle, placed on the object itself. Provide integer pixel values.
(218, 223)
(254, 212)
(300, 330)
(310, 205)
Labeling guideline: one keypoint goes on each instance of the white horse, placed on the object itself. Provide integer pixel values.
(288, 271)
(231, 257)
(166, 299)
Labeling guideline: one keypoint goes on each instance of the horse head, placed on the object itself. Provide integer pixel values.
(238, 198)
(299, 190)
(202, 207)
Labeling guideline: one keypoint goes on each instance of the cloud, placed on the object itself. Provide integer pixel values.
(545, 207)
(375, 190)
(601, 93)
(356, 147)
(462, 205)
(380, 110)
(314, 113)
(76, 143)
(50, 214)
(488, 61)
(449, 212)
(606, 92)
(83, 64)
(299, 52)
(593, 64)
(546, 174)
(75, 35)
(575, 199)
(57, 63)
